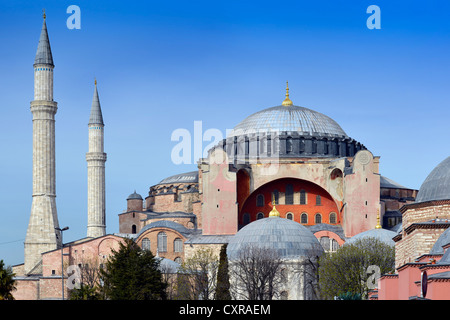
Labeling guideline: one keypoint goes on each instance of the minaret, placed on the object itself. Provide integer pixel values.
(96, 159)
(41, 234)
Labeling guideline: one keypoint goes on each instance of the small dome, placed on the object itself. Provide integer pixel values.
(437, 185)
(289, 118)
(134, 196)
(441, 241)
(289, 238)
(380, 234)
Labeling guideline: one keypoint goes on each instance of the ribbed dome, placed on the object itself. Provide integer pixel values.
(188, 177)
(289, 238)
(437, 185)
(289, 118)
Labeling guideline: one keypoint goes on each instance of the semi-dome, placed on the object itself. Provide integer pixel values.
(437, 185)
(289, 238)
(292, 119)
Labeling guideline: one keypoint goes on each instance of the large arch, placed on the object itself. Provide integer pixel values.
(325, 206)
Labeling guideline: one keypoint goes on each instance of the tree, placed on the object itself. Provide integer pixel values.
(223, 278)
(132, 274)
(345, 272)
(257, 273)
(198, 275)
(7, 282)
(89, 281)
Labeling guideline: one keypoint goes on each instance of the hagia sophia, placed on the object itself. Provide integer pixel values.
(287, 178)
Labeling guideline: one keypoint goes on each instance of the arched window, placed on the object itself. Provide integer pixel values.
(334, 245)
(133, 229)
(259, 216)
(146, 244)
(162, 242)
(260, 200)
(318, 218)
(275, 196)
(289, 197)
(333, 219)
(246, 219)
(302, 197)
(304, 218)
(289, 216)
(325, 242)
(318, 200)
(178, 245)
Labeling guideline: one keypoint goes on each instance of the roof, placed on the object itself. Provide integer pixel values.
(337, 229)
(288, 238)
(167, 224)
(381, 234)
(44, 52)
(289, 118)
(209, 239)
(187, 177)
(96, 116)
(134, 195)
(443, 239)
(390, 184)
(437, 184)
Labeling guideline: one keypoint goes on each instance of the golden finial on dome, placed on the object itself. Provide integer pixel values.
(378, 226)
(43, 13)
(274, 212)
(95, 82)
(287, 101)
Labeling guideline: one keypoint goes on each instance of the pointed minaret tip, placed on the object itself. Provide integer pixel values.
(96, 111)
(44, 51)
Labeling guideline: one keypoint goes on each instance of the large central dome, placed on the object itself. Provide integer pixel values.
(288, 131)
(290, 118)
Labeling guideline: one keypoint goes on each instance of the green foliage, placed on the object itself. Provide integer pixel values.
(349, 296)
(85, 293)
(6, 282)
(345, 271)
(132, 274)
(223, 278)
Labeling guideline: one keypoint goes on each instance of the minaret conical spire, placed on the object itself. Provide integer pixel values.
(44, 52)
(96, 158)
(96, 111)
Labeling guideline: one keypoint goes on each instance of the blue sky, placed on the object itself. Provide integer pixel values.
(161, 66)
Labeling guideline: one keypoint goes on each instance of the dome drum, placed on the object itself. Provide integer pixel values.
(289, 144)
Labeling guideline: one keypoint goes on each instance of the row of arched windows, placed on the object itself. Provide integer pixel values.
(162, 243)
(289, 197)
(332, 217)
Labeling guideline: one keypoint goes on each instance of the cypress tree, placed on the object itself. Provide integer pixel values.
(223, 278)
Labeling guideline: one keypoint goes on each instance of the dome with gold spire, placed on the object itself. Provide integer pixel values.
(291, 131)
(289, 117)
